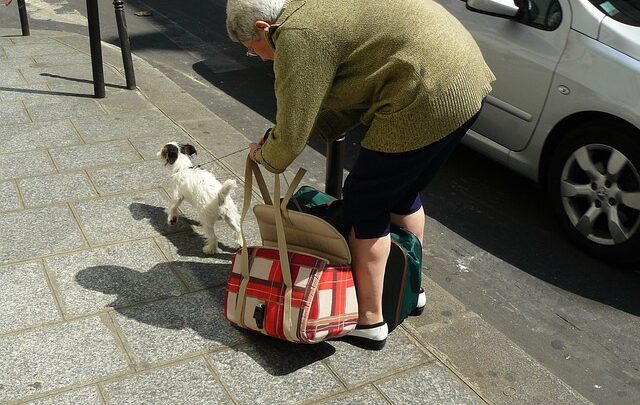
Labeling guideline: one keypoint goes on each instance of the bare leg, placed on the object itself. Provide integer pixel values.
(369, 261)
(412, 222)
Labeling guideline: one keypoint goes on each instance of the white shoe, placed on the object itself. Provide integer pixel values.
(422, 302)
(371, 337)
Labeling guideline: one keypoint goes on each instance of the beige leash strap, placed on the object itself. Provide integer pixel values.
(252, 169)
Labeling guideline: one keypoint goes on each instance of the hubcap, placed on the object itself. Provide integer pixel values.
(600, 190)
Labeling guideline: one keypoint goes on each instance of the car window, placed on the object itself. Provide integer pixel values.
(625, 11)
(543, 14)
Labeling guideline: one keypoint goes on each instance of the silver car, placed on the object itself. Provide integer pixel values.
(565, 109)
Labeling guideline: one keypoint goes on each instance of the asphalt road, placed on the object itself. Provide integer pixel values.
(492, 240)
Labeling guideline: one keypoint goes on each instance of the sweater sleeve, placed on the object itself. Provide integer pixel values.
(305, 66)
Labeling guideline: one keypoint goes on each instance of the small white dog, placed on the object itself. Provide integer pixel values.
(202, 190)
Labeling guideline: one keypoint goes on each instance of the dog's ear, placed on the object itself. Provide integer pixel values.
(188, 150)
(169, 153)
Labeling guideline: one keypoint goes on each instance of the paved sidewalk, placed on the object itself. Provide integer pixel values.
(102, 302)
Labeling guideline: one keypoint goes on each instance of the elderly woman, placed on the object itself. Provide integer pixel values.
(405, 68)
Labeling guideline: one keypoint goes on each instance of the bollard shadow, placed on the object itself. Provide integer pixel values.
(181, 235)
(201, 312)
(46, 92)
(79, 80)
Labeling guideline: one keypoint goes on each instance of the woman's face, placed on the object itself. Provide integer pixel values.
(260, 47)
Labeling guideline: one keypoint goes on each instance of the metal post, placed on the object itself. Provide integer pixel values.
(24, 20)
(125, 46)
(96, 50)
(335, 164)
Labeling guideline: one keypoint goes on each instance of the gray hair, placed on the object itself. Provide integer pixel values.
(243, 14)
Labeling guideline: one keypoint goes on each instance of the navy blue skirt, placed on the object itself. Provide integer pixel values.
(383, 183)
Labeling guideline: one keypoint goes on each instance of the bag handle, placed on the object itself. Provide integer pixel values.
(251, 170)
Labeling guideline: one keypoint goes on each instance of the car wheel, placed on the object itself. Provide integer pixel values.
(594, 187)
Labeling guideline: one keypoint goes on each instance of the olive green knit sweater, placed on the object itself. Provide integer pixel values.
(406, 68)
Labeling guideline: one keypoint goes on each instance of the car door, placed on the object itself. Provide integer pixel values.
(523, 55)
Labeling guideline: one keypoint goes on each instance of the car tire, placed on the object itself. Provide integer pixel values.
(593, 184)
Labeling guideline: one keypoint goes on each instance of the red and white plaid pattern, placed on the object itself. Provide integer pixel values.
(324, 303)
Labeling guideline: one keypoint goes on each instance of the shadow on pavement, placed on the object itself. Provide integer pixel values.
(78, 80)
(508, 216)
(201, 312)
(191, 245)
(45, 92)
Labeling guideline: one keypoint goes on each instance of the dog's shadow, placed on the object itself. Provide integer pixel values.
(201, 312)
(182, 236)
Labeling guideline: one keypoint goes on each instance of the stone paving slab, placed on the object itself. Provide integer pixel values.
(176, 327)
(7, 63)
(33, 39)
(50, 108)
(368, 395)
(108, 127)
(95, 154)
(280, 372)
(10, 76)
(358, 366)
(71, 58)
(188, 384)
(13, 112)
(71, 72)
(9, 198)
(198, 270)
(124, 102)
(19, 92)
(38, 232)
(442, 307)
(111, 54)
(37, 135)
(148, 146)
(216, 135)
(13, 51)
(504, 372)
(53, 189)
(124, 217)
(85, 396)
(114, 276)
(55, 357)
(25, 297)
(25, 164)
(183, 107)
(129, 177)
(429, 384)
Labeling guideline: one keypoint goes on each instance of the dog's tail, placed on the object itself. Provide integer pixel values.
(226, 189)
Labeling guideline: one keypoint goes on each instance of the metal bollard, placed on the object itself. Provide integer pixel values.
(24, 20)
(125, 46)
(334, 168)
(96, 50)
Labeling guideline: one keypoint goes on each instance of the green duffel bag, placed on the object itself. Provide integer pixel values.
(403, 272)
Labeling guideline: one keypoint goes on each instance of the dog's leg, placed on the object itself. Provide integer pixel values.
(173, 209)
(211, 247)
(234, 223)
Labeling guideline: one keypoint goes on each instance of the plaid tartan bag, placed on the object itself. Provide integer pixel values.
(298, 285)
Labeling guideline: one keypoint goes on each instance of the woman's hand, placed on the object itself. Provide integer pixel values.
(264, 137)
(254, 152)
(7, 2)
